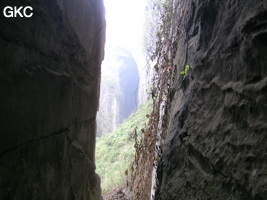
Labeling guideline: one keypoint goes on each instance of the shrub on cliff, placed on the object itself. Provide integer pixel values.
(115, 151)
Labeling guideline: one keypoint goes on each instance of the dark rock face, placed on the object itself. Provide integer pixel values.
(128, 79)
(117, 194)
(119, 90)
(215, 147)
(49, 85)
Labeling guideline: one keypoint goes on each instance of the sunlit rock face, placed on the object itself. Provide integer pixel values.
(49, 85)
(215, 146)
(119, 90)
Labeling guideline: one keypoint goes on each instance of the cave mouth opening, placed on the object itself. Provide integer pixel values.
(121, 96)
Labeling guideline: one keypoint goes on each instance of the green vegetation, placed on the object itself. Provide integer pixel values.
(115, 151)
(185, 71)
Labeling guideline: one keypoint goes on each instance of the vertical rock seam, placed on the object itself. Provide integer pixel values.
(49, 86)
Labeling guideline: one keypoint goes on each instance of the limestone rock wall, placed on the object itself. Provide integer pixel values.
(49, 86)
(215, 145)
(119, 90)
(128, 79)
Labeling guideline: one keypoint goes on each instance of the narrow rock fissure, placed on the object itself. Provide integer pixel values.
(133, 100)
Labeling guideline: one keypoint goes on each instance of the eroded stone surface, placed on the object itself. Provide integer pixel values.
(49, 77)
(117, 194)
(215, 146)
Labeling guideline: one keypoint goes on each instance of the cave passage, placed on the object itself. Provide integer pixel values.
(120, 94)
(183, 100)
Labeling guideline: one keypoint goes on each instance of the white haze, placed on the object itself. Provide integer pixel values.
(125, 29)
(125, 23)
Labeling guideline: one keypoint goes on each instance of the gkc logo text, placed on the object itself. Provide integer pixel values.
(15, 11)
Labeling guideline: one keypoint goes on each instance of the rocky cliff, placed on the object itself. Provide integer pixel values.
(49, 86)
(119, 90)
(128, 79)
(215, 142)
(206, 139)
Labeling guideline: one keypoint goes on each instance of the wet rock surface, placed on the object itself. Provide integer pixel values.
(215, 145)
(49, 77)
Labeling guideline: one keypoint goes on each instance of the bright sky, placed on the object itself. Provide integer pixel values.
(125, 23)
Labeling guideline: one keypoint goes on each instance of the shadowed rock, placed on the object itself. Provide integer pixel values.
(49, 76)
(215, 145)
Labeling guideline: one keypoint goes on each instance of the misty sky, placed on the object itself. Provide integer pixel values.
(125, 24)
